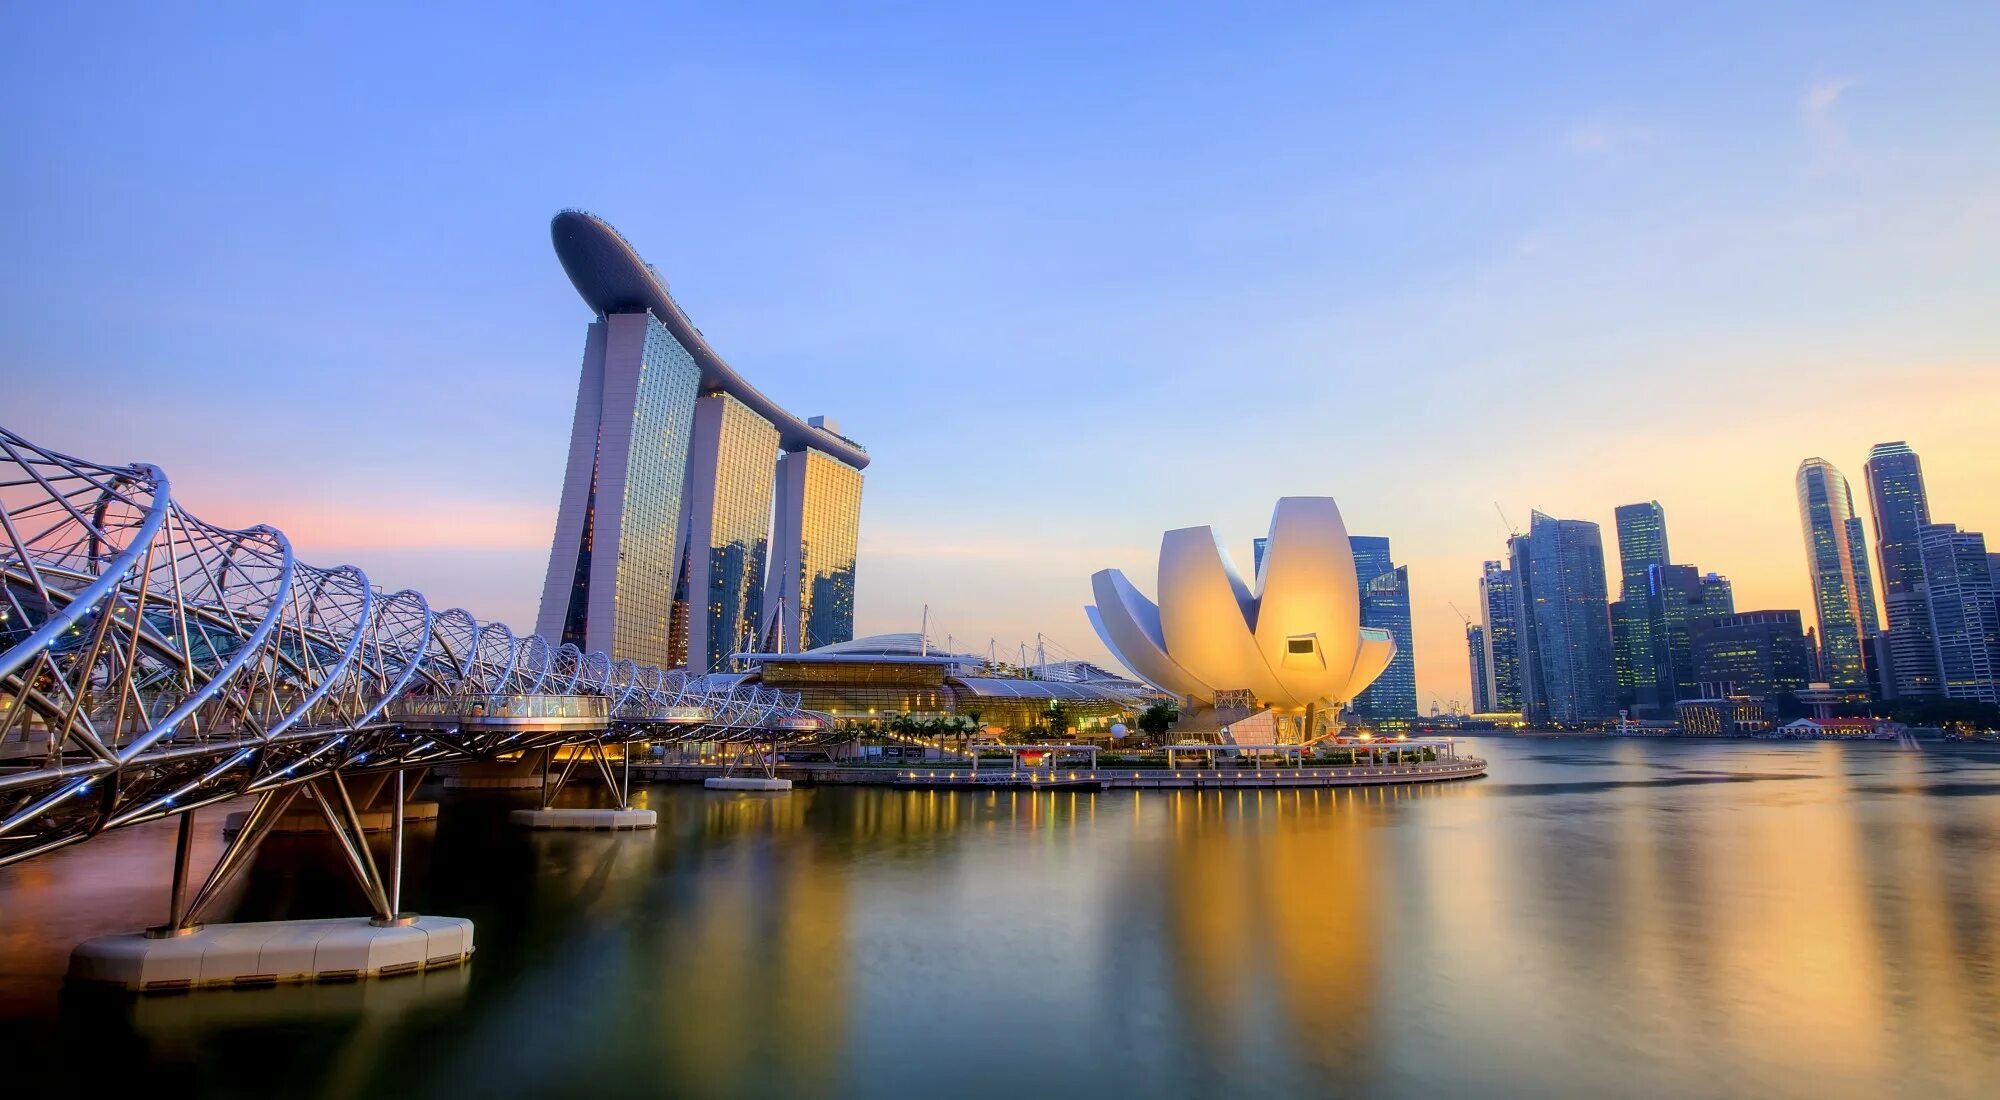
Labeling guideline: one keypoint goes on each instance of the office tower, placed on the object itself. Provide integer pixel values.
(664, 530)
(1760, 654)
(1385, 605)
(1717, 596)
(1837, 565)
(1632, 655)
(1642, 544)
(1565, 621)
(1499, 608)
(812, 576)
(1965, 618)
(1475, 655)
(1674, 600)
(1901, 509)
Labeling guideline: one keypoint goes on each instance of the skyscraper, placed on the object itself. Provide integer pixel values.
(1642, 545)
(1385, 605)
(1718, 597)
(1565, 617)
(812, 577)
(1499, 606)
(1674, 601)
(1475, 656)
(1965, 619)
(1837, 565)
(663, 536)
(1901, 508)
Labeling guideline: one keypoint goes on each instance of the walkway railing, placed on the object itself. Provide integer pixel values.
(151, 662)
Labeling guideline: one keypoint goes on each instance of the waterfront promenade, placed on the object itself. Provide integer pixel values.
(959, 776)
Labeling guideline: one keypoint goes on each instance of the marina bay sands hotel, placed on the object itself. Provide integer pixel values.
(698, 518)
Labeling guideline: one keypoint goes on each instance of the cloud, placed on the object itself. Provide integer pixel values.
(1817, 109)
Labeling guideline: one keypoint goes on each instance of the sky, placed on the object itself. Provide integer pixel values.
(1075, 274)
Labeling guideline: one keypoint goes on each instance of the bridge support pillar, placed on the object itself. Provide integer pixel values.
(619, 817)
(185, 954)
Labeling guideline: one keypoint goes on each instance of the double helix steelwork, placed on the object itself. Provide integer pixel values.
(152, 663)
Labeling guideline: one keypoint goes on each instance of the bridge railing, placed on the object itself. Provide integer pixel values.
(494, 706)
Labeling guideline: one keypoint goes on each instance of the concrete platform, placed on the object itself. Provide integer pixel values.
(576, 817)
(745, 783)
(272, 952)
(372, 821)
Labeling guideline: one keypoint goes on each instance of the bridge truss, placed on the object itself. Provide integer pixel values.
(152, 663)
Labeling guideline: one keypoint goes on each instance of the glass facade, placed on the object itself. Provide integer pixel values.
(1760, 654)
(1718, 596)
(1965, 618)
(1843, 598)
(1636, 634)
(1566, 622)
(655, 475)
(732, 533)
(1901, 508)
(1503, 654)
(1475, 655)
(634, 425)
(822, 498)
(1642, 544)
(1385, 605)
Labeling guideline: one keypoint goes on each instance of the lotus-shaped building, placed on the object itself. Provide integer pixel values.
(1292, 642)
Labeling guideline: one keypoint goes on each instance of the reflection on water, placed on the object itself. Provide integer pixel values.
(1610, 918)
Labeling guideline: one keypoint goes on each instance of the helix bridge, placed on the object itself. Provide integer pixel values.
(152, 663)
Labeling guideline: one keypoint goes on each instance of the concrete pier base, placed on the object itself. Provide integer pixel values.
(311, 821)
(745, 783)
(577, 817)
(272, 952)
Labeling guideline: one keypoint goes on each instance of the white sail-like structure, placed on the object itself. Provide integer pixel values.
(1292, 641)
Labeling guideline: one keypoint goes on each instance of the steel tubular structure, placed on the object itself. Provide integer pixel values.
(152, 663)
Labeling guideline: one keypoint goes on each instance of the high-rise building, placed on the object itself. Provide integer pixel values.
(1837, 565)
(1760, 654)
(1500, 608)
(1565, 621)
(1642, 544)
(812, 576)
(1718, 597)
(1475, 656)
(1965, 619)
(1901, 508)
(663, 536)
(1385, 605)
(1674, 600)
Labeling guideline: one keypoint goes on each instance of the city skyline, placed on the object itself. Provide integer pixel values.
(1504, 277)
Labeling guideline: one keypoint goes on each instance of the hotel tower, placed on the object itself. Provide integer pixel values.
(698, 518)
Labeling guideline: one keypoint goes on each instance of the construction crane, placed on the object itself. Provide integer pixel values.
(1512, 531)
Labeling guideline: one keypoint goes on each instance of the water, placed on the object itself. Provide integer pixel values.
(1612, 918)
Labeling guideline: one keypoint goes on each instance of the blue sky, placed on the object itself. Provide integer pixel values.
(1074, 276)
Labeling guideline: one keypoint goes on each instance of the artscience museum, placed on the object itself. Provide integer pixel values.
(1272, 659)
